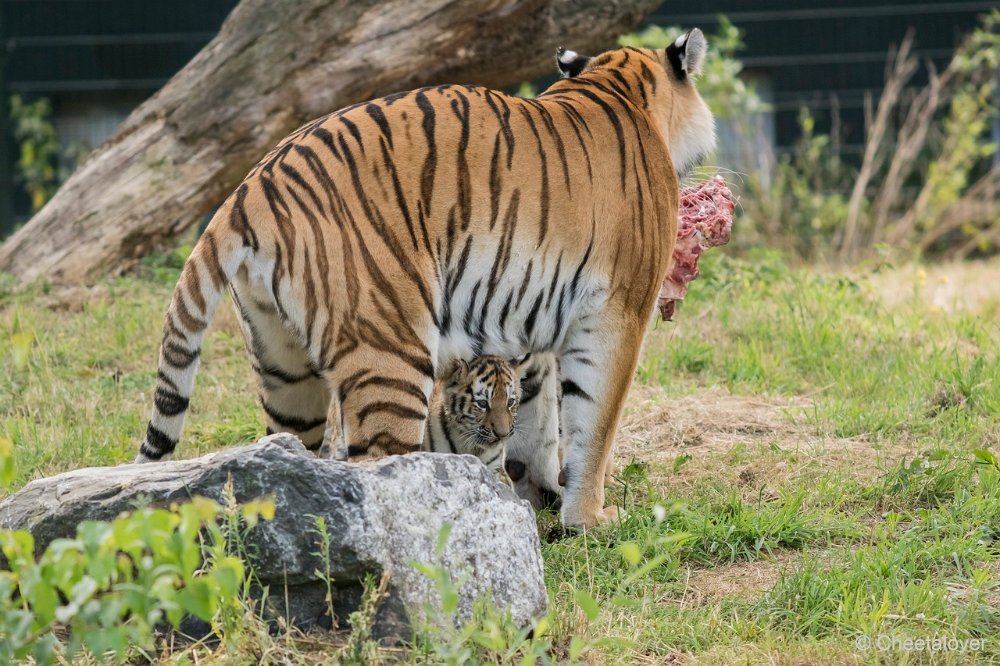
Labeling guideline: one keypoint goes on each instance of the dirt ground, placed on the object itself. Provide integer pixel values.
(751, 442)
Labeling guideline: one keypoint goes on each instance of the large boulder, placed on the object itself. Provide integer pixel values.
(382, 516)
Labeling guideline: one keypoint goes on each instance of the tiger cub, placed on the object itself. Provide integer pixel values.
(473, 409)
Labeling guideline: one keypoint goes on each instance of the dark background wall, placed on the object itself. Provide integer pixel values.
(823, 53)
(95, 60)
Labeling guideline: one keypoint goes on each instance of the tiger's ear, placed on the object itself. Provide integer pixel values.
(570, 63)
(687, 53)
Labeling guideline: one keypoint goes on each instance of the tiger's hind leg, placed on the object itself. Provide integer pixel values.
(383, 389)
(294, 396)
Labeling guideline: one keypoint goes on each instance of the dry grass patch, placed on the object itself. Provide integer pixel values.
(744, 581)
(747, 442)
(710, 420)
(969, 286)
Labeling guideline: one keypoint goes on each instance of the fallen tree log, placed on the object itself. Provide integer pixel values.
(272, 67)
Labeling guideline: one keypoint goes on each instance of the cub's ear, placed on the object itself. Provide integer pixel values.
(455, 370)
(570, 63)
(687, 53)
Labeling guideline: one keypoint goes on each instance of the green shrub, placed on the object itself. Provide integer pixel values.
(106, 592)
(41, 164)
(924, 184)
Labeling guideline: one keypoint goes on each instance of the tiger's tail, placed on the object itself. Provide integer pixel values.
(212, 265)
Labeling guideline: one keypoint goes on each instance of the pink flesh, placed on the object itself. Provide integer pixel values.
(705, 220)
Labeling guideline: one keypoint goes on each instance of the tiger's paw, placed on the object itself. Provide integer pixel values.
(611, 514)
(590, 520)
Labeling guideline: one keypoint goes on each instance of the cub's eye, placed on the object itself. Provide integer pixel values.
(511, 403)
(482, 403)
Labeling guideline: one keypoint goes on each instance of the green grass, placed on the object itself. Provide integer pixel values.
(889, 528)
(761, 328)
(76, 386)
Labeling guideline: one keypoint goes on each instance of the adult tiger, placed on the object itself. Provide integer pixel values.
(373, 246)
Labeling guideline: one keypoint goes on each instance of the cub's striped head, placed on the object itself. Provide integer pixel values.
(481, 398)
(663, 79)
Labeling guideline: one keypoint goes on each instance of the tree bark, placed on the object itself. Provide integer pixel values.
(273, 66)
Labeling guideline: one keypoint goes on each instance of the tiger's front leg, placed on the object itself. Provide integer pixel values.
(596, 367)
(334, 447)
(532, 452)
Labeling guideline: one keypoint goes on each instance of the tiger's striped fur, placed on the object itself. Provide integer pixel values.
(373, 246)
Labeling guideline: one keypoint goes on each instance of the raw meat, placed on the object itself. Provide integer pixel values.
(705, 219)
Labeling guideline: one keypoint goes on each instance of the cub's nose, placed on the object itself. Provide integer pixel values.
(503, 429)
(501, 425)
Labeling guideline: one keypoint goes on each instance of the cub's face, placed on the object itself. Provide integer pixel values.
(481, 398)
(663, 81)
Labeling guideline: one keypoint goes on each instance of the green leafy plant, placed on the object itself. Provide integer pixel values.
(322, 533)
(803, 203)
(39, 148)
(106, 592)
(42, 165)
(7, 469)
(361, 649)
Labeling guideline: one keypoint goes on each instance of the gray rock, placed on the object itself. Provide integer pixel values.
(381, 516)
